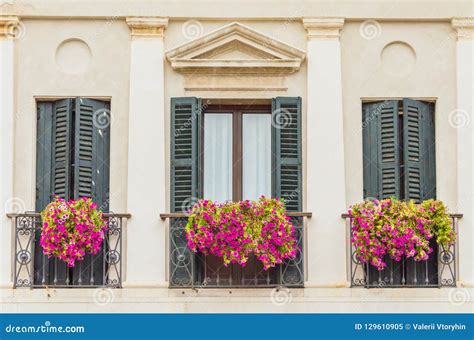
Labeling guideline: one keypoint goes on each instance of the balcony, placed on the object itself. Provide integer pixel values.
(438, 271)
(190, 270)
(32, 269)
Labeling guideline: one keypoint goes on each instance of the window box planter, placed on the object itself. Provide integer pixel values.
(402, 244)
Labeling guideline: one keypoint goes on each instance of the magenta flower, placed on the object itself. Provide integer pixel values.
(234, 230)
(398, 229)
(72, 229)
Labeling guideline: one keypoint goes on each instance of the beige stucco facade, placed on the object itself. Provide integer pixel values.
(375, 50)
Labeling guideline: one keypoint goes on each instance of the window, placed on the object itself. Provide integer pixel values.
(229, 152)
(237, 152)
(399, 161)
(237, 165)
(72, 161)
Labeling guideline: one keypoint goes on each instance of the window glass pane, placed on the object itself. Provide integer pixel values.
(218, 157)
(256, 155)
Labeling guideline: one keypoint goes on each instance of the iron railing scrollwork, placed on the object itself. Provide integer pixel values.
(33, 269)
(438, 271)
(190, 270)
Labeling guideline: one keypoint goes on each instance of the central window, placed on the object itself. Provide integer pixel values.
(237, 158)
(237, 153)
(231, 153)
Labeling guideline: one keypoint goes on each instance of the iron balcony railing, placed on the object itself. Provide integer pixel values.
(438, 271)
(33, 269)
(190, 270)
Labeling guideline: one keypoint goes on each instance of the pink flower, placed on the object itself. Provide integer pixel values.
(80, 230)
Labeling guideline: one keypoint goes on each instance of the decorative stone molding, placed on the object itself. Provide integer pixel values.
(236, 49)
(323, 28)
(464, 28)
(147, 26)
(8, 26)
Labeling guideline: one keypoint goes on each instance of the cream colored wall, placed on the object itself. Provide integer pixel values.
(268, 10)
(39, 76)
(365, 76)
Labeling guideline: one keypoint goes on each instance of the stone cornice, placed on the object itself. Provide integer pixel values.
(323, 28)
(8, 26)
(147, 26)
(464, 28)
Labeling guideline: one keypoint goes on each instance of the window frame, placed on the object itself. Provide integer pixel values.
(237, 112)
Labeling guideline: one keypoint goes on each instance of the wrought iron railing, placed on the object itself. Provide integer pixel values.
(33, 269)
(438, 271)
(190, 270)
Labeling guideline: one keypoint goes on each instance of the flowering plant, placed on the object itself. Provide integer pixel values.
(398, 229)
(234, 230)
(71, 229)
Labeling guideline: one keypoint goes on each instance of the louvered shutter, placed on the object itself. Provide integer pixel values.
(185, 185)
(382, 169)
(381, 150)
(380, 131)
(44, 142)
(44, 153)
(419, 150)
(62, 139)
(92, 151)
(286, 147)
(287, 176)
(91, 174)
(53, 176)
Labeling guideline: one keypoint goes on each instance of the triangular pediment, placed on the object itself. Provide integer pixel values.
(236, 48)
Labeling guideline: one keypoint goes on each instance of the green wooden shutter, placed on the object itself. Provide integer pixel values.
(91, 174)
(72, 162)
(287, 177)
(185, 131)
(286, 151)
(44, 142)
(419, 150)
(62, 141)
(92, 151)
(381, 150)
(53, 176)
(44, 190)
(420, 176)
(185, 185)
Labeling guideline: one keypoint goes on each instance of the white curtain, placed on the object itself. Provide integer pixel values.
(256, 135)
(218, 157)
